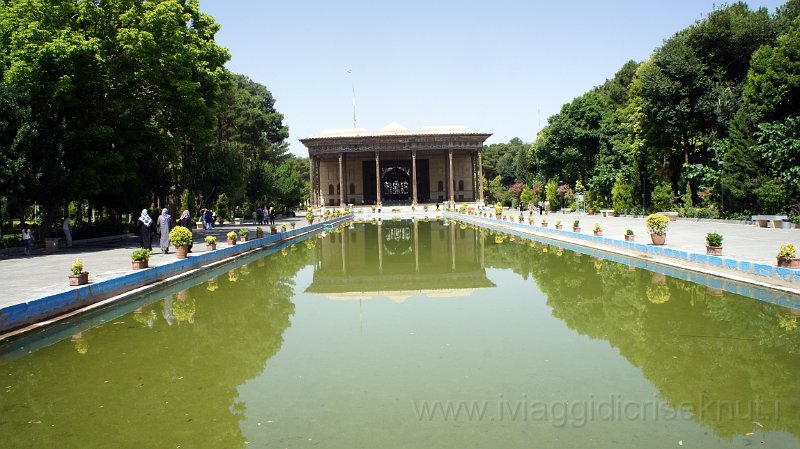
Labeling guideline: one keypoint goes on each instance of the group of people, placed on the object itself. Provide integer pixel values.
(265, 215)
(160, 227)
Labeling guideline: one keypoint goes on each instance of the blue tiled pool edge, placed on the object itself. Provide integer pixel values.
(40, 309)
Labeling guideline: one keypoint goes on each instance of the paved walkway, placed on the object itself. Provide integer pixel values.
(25, 278)
(746, 242)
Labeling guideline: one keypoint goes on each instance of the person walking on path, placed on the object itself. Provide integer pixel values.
(67, 232)
(186, 222)
(27, 239)
(145, 225)
(271, 216)
(259, 215)
(208, 219)
(164, 226)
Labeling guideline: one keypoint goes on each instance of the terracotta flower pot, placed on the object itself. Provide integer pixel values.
(231, 242)
(242, 238)
(259, 234)
(273, 231)
(544, 225)
(786, 262)
(629, 237)
(559, 226)
(182, 252)
(598, 233)
(78, 279)
(713, 250)
(574, 229)
(211, 246)
(658, 239)
(139, 264)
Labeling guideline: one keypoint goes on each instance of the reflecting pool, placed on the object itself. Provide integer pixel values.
(413, 334)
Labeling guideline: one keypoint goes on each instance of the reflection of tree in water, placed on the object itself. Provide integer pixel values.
(708, 352)
(147, 383)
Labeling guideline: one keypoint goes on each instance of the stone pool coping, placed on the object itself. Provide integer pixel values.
(773, 284)
(15, 319)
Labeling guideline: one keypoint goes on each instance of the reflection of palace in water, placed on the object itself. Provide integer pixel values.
(400, 259)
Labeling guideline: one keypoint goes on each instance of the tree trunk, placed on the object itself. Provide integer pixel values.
(48, 217)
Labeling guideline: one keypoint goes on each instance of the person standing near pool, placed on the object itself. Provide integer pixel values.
(186, 222)
(145, 225)
(27, 239)
(164, 226)
(67, 232)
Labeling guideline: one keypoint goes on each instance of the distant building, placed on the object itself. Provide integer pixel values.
(396, 165)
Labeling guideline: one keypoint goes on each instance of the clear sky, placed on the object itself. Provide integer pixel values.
(495, 66)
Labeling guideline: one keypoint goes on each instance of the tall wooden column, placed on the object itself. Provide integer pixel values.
(318, 181)
(311, 199)
(480, 176)
(377, 178)
(414, 177)
(341, 181)
(450, 181)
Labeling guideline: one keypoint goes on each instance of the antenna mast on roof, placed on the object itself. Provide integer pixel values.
(353, 85)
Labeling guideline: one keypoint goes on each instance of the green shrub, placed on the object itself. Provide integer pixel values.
(180, 236)
(787, 251)
(244, 232)
(629, 232)
(663, 198)
(621, 195)
(713, 239)
(77, 265)
(211, 240)
(231, 235)
(576, 224)
(141, 255)
(657, 224)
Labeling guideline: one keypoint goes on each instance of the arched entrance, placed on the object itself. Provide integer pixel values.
(396, 186)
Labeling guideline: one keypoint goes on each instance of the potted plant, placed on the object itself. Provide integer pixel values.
(211, 242)
(657, 227)
(713, 244)
(283, 227)
(576, 226)
(310, 216)
(80, 277)
(629, 235)
(559, 225)
(531, 220)
(544, 222)
(221, 220)
(498, 210)
(140, 258)
(231, 237)
(787, 257)
(521, 218)
(181, 238)
(243, 233)
(597, 229)
(273, 230)
(237, 220)
(259, 232)
(292, 225)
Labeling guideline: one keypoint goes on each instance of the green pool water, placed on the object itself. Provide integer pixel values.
(414, 335)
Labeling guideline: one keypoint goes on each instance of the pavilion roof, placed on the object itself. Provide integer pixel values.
(394, 129)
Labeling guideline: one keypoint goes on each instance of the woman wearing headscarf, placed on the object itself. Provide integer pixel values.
(186, 222)
(145, 225)
(164, 225)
